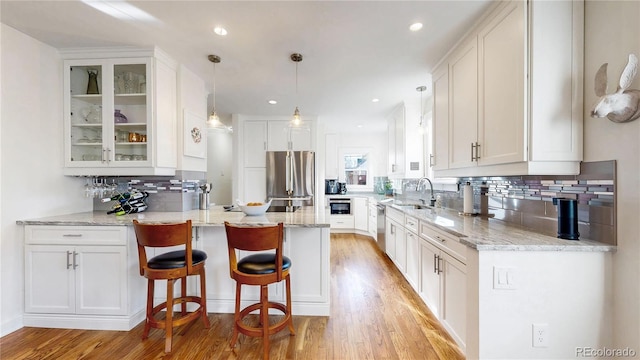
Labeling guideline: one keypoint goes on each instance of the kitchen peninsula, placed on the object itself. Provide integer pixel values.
(81, 270)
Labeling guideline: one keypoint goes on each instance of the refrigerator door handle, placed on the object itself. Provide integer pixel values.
(289, 167)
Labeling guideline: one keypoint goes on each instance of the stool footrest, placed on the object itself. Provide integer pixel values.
(258, 331)
(181, 318)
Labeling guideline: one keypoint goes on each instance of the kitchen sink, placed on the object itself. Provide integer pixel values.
(414, 206)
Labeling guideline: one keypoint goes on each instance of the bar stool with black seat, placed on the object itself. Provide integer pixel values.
(171, 266)
(260, 269)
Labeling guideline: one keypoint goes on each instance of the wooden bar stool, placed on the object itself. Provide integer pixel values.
(171, 266)
(259, 269)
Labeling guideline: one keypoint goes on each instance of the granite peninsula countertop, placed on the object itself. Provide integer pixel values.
(216, 216)
(485, 233)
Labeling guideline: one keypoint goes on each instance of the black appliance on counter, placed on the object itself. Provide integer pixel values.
(331, 187)
(567, 218)
(342, 188)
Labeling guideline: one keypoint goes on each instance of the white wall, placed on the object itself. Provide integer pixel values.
(375, 142)
(32, 184)
(612, 32)
(192, 97)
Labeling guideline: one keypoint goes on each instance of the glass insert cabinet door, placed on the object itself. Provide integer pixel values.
(108, 112)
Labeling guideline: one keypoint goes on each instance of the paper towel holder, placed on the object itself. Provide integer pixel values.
(467, 189)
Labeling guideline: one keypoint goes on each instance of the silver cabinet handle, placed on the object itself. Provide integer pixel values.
(75, 263)
(477, 151)
(473, 147)
(431, 160)
(108, 155)
(435, 263)
(439, 262)
(72, 235)
(68, 262)
(104, 150)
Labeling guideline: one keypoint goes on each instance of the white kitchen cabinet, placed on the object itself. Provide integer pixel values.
(308, 249)
(361, 214)
(255, 142)
(331, 169)
(373, 219)
(429, 289)
(463, 111)
(283, 136)
(439, 158)
(412, 270)
(141, 86)
(515, 85)
(394, 237)
(342, 222)
(443, 283)
(405, 143)
(255, 136)
(75, 273)
(502, 72)
(396, 140)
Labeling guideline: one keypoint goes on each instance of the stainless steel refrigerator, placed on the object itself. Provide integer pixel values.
(290, 179)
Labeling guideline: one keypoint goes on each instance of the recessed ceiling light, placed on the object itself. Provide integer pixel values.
(415, 27)
(272, 102)
(375, 100)
(220, 30)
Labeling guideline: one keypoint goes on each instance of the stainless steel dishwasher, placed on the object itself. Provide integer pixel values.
(380, 221)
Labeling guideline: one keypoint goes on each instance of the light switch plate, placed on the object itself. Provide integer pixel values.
(504, 278)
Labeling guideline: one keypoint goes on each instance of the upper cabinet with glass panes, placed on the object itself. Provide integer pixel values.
(118, 111)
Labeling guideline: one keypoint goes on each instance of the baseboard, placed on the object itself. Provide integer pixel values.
(12, 325)
(85, 322)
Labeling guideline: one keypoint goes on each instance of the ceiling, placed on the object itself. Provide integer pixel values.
(354, 51)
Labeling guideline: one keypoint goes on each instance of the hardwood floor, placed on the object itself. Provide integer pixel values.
(374, 315)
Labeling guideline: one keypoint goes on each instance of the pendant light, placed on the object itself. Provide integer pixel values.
(421, 123)
(214, 120)
(296, 121)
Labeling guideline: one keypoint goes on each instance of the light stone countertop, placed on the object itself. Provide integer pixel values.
(216, 216)
(485, 233)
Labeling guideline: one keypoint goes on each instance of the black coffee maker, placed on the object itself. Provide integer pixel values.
(567, 218)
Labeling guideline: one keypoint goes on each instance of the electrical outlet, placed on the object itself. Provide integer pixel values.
(540, 335)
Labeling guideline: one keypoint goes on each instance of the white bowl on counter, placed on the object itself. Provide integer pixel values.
(254, 210)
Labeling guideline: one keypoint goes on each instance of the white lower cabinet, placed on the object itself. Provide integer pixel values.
(79, 277)
(412, 269)
(342, 222)
(308, 249)
(443, 282)
(373, 219)
(361, 214)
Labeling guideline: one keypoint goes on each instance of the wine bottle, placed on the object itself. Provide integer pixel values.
(116, 197)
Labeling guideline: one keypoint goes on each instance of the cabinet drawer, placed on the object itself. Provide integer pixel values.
(411, 224)
(445, 241)
(394, 214)
(76, 235)
(342, 222)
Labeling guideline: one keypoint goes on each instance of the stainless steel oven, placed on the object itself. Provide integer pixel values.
(340, 206)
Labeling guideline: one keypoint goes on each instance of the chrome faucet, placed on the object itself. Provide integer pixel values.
(432, 200)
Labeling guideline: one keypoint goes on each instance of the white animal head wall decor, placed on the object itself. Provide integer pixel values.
(622, 105)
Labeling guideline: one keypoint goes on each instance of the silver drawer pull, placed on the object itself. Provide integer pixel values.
(68, 262)
(75, 262)
(72, 235)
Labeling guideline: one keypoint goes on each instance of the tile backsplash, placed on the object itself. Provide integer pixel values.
(527, 200)
(166, 193)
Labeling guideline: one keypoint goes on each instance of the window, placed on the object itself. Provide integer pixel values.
(355, 167)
